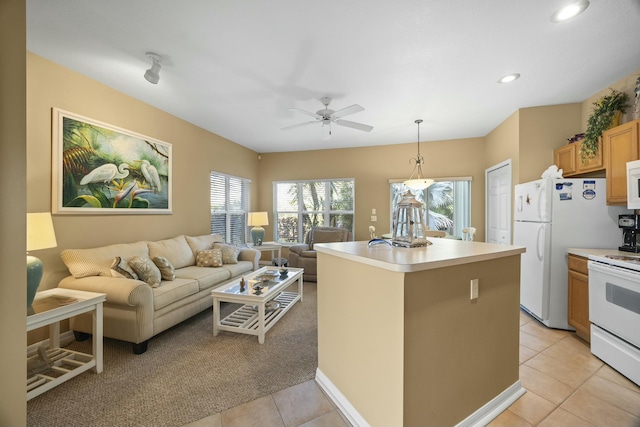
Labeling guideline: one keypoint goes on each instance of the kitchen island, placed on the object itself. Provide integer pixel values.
(403, 341)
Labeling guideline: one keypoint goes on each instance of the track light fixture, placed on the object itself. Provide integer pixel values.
(151, 74)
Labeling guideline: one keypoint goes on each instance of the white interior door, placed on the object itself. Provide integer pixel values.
(498, 203)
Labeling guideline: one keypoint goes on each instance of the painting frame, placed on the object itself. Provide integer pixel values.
(102, 169)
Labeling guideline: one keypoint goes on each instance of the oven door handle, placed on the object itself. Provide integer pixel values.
(614, 270)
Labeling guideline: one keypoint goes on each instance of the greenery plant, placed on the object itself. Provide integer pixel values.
(601, 118)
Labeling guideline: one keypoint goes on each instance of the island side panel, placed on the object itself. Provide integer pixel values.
(360, 336)
(460, 353)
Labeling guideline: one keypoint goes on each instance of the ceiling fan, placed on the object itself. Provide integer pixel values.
(327, 116)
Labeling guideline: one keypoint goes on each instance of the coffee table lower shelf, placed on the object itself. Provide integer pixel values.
(246, 320)
(66, 364)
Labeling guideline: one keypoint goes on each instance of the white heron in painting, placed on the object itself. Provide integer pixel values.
(106, 173)
(150, 174)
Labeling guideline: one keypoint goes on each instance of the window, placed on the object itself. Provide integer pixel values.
(301, 205)
(229, 206)
(448, 204)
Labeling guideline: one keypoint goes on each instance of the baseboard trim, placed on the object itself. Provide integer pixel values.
(343, 404)
(481, 417)
(65, 339)
(494, 407)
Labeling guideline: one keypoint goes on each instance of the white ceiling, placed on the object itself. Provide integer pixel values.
(234, 67)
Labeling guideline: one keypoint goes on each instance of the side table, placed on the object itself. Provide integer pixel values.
(56, 365)
(270, 246)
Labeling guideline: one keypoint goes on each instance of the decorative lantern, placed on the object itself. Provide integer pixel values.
(408, 225)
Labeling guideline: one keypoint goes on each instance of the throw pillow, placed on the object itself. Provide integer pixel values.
(209, 258)
(229, 252)
(120, 268)
(146, 270)
(166, 269)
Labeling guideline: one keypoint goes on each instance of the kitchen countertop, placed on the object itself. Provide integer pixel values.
(442, 253)
(590, 253)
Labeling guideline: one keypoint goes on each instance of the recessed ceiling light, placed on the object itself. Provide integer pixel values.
(569, 11)
(509, 78)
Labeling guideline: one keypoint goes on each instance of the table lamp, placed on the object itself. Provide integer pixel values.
(40, 235)
(257, 220)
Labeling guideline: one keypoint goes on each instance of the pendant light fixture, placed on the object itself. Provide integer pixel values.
(419, 182)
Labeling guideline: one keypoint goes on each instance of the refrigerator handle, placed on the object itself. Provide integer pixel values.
(519, 204)
(540, 248)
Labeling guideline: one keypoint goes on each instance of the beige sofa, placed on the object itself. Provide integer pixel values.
(304, 256)
(136, 310)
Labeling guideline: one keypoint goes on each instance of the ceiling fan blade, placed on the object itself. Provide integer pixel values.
(300, 124)
(308, 113)
(355, 108)
(354, 125)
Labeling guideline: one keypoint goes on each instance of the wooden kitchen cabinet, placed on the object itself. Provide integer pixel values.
(572, 163)
(621, 145)
(565, 158)
(579, 296)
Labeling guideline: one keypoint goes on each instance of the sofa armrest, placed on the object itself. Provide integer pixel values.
(298, 249)
(119, 291)
(248, 254)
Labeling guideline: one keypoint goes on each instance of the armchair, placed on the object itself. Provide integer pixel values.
(304, 256)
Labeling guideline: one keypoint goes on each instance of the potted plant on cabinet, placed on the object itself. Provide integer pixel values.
(606, 114)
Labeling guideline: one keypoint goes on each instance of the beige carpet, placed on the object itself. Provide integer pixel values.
(186, 374)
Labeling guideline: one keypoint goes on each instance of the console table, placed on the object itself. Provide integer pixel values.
(56, 365)
(270, 246)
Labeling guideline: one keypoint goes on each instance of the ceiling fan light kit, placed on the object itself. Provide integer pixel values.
(326, 117)
(419, 182)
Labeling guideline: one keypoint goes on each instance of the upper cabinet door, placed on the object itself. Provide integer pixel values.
(620, 147)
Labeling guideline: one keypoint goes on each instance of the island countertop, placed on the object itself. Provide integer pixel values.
(442, 253)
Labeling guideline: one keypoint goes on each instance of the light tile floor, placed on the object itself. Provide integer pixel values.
(566, 386)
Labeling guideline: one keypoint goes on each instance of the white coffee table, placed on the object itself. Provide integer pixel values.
(258, 314)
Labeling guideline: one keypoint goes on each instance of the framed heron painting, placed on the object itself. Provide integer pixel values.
(102, 169)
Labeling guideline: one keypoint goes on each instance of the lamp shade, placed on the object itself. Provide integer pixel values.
(40, 232)
(258, 219)
(40, 235)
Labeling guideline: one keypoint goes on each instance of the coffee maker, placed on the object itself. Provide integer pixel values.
(630, 225)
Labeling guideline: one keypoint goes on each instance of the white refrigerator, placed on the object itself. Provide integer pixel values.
(551, 215)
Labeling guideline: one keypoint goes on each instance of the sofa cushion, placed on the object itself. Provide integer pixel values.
(327, 236)
(176, 250)
(121, 268)
(206, 277)
(204, 242)
(209, 258)
(167, 270)
(97, 261)
(173, 291)
(229, 252)
(240, 268)
(146, 270)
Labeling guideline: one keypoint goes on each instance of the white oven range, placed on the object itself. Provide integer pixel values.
(614, 312)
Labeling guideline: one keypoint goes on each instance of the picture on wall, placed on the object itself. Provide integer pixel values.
(102, 169)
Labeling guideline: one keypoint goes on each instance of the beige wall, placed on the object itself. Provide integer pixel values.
(13, 290)
(541, 130)
(195, 153)
(372, 167)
